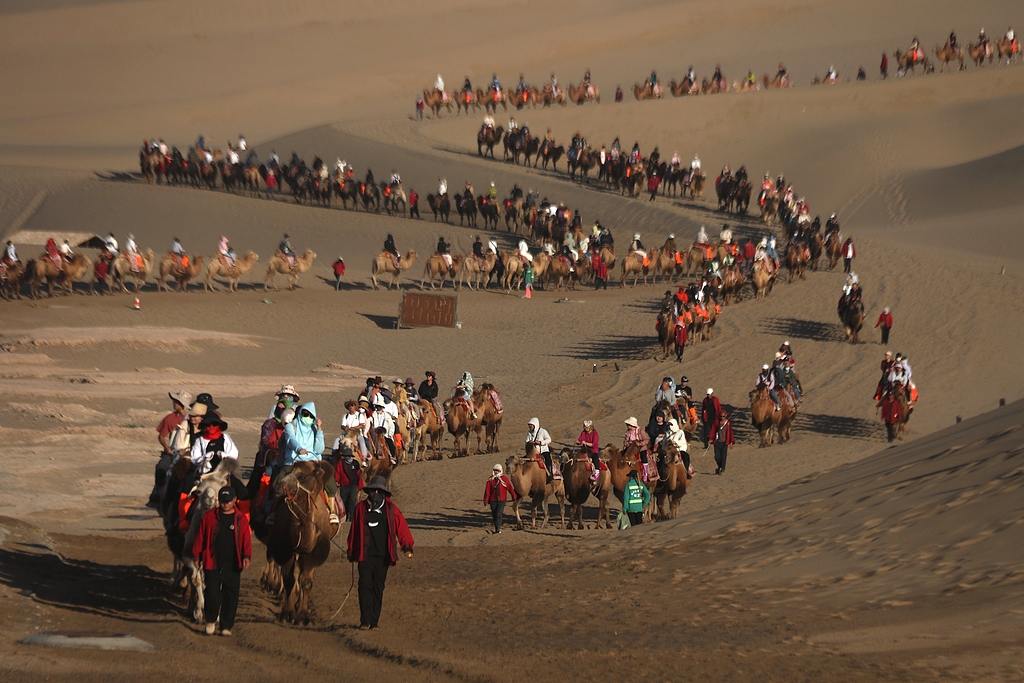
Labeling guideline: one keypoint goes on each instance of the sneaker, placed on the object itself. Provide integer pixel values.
(374, 627)
(211, 629)
(334, 519)
(364, 627)
(226, 632)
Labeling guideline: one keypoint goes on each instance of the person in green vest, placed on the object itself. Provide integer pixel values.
(528, 279)
(635, 498)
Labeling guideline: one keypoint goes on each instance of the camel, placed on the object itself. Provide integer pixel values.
(946, 54)
(546, 97)
(906, 60)
(816, 245)
(732, 284)
(770, 209)
(978, 54)
(895, 430)
(432, 425)
(685, 87)
(581, 95)
(489, 103)
(437, 266)
(121, 271)
(435, 99)
(460, 424)
(440, 206)
(833, 248)
(278, 265)
(777, 82)
(488, 137)
(762, 415)
(1006, 49)
(620, 464)
(513, 276)
(672, 483)
(563, 271)
(632, 265)
(464, 101)
(665, 262)
(380, 464)
(763, 280)
(694, 261)
(217, 267)
(667, 335)
(10, 283)
(712, 87)
(577, 468)
(796, 261)
(490, 416)
(529, 479)
(853, 320)
(647, 92)
(383, 263)
(299, 540)
(169, 268)
(44, 269)
(477, 273)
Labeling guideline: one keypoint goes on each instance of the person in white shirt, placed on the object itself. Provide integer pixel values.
(130, 246)
(212, 444)
(242, 144)
(695, 164)
(442, 187)
(524, 251)
(65, 250)
(111, 243)
(439, 84)
(382, 420)
(232, 156)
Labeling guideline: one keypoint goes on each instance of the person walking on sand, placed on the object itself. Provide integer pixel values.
(885, 322)
(722, 438)
(378, 529)
(634, 499)
(849, 252)
(710, 410)
(224, 546)
(497, 492)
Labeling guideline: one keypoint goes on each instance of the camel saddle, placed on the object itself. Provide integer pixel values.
(496, 401)
(289, 260)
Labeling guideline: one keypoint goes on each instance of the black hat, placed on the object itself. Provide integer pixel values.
(684, 379)
(207, 401)
(226, 494)
(213, 419)
(378, 483)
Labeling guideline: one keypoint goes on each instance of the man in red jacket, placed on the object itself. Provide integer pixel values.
(721, 436)
(378, 528)
(885, 322)
(497, 492)
(224, 546)
(709, 414)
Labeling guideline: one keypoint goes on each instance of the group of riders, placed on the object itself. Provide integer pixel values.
(519, 96)
(896, 392)
(984, 44)
(779, 378)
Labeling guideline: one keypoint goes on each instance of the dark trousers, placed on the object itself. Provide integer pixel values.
(885, 335)
(846, 264)
(721, 452)
(373, 573)
(497, 510)
(635, 518)
(707, 432)
(163, 466)
(600, 283)
(414, 211)
(221, 594)
(349, 497)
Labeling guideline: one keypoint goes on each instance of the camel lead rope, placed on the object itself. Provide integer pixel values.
(347, 595)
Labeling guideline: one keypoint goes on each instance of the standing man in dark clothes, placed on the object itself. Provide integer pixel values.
(179, 406)
(722, 438)
(378, 528)
(711, 409)
(224, 546)
(349, 476)
(414, 204)
(885, 322)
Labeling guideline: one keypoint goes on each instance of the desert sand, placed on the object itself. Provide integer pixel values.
(831, 557)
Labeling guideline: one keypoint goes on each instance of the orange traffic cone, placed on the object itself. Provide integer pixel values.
(137, 305)
(529, 292)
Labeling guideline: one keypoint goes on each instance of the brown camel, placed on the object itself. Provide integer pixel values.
(434, 99)
(577, 468)
(489, 103)
(279, 265)
(563, 271)
(529, 479)
(383, 263)
(379, 464)
(777, 82)
(763, 415)
(490, 416)
(216, 266)
(908, 61)
(121, 271)
(433, 425)
(10, 283)
(667, 334)
(513, 277)
(665, 263)
(546, 98)
(685, 87)
(946, 54)
(695, 261)
(672, 483)
(476, 272)
(620, 463)
(713, 87)
(169, 267)
(1006, 49)
(581, 95)
(460, 423)
(763, 280)
(733, 282)
(853, 320)
(796, 261)
(833, 248)
(646, 92)
(437, 266)
(633, 265)
(978, 54)
(43, 268)
(300, 539)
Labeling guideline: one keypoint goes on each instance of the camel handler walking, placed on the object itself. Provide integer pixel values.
(378, 528)
(224, 546)
(497, 492)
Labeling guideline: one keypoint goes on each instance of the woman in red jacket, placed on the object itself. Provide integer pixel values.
(224, 546)
(721, 436)
(497, 492)
(378, 528)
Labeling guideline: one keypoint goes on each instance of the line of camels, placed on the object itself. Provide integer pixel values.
(168, 274)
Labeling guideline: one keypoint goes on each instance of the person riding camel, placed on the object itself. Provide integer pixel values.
(521, 86)
(488, 122)
(391, 250)
(65, 251)
(831, 76)
(10, 254)
(751, 80)
(634, 155)
(512, 126)
(636, 435)
(492, 193)
(766, 379)
(442, 250)
(442, 187)
(951, 43)
(538, 439)
(983, 43)
(178, 253)
(382, 422)
(524, 253)
(286, 251)
(691, 76)
(655, 85)
(396, 180)
(782, 75)
(226, 253)
(53, 254)
(439, 87)
(467, 87)
(131, 252)
(496, 87)
(718, 79)
(590, 440)
(695, 164)
(636, 247)
(478, 250)
(585, 85)
(552, 85)
(428, 392)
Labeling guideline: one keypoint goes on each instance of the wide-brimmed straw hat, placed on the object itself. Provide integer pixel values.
(631, 422)
(197, 410)
(378, 483)
(182, 397)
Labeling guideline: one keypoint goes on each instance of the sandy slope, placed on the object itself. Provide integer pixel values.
(925, 174)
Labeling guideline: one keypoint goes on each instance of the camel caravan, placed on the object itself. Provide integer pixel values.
(470, 100)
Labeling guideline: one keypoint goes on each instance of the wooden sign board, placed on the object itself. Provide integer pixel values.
(428, 310)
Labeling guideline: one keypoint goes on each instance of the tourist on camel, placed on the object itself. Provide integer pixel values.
(391, 249)
(589, 439)
(285, 247)
(540, 440)
(382, 422)
(677, 437)
(766, 379)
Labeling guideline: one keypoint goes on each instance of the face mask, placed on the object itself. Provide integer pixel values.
(376, 497)
(307, 420)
